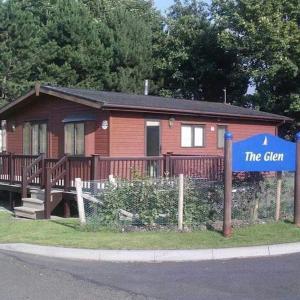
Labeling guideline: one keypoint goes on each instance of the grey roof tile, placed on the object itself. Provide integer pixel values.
(114, 99)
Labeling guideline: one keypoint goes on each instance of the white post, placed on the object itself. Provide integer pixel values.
(78, 185)
(180, 203)
(112, 180)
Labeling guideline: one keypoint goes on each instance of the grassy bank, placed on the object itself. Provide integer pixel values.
(69, 234)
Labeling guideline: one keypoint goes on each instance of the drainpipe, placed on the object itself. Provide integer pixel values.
(280, 124)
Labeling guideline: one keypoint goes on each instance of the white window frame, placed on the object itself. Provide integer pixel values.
(193, 128)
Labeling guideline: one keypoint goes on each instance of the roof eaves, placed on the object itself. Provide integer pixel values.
(71, 97)
(192, 112)
(17, 101)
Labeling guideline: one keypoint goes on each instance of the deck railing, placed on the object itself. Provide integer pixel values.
(99, 168)
(57, 175)
(204, 167)
(32, 173)
(50, 173)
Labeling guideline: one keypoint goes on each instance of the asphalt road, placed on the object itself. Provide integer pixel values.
(34, 277)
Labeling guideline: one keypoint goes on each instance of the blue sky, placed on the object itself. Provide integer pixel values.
(163, 4)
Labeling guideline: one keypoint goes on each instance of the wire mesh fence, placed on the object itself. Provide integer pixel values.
(147, 203)
(255, 195)
(152, 204)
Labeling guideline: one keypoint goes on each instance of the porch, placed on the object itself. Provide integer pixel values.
(43, 182)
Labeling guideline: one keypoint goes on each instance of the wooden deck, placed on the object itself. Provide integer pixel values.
(22, 173)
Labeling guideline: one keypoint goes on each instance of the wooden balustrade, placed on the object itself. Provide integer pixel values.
(99, 168)
(205, 167)
(61, 173)
(56, 175)
(32, 171)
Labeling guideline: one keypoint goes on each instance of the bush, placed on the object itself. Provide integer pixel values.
(153, 203)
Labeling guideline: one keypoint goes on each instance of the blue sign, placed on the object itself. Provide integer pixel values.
(262, 153)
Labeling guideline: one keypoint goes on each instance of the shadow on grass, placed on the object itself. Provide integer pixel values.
(81, 228)
(70, 224)
(213, 229)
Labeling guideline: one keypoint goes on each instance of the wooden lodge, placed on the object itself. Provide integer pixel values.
(52, 135)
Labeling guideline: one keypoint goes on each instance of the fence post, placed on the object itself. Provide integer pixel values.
(227, 230)
(43, 170)
(67, 176)
(278, 196)
(47, 193)
(81, 212)
(94, 167)
(24, 182)
(11, 168)
(297, 183)
(180, 203)
(167, 166)
(111, 179)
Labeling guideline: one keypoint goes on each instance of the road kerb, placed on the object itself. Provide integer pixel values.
(151, 256)
(227, 253)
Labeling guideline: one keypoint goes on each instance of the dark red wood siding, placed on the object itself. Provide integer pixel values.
(54, 110)
(127, 133)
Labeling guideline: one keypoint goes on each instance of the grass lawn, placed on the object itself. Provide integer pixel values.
(68, 233)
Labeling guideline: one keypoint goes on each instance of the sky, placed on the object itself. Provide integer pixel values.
(163, 4)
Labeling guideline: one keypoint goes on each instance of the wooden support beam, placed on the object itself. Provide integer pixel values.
(227, 229)
(297, 183)
(67, 208)
(11, 200)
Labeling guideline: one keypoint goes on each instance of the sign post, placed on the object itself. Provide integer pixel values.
(297, 183)
(227, 229)
(260, 153)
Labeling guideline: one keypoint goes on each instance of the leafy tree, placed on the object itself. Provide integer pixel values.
(267, 37)
(193, 62)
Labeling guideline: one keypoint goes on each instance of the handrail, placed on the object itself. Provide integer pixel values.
(26, 169)
(51, 182)
(59, 163)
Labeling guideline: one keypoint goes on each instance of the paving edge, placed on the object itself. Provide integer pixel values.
(152, 256)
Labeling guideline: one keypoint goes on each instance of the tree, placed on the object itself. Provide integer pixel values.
(266, 36)
(72, 52)
(102, 44)
(193, 62)
(131, 25)
(19, 40)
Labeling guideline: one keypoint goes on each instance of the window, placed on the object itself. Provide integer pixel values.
(192, 136)
(220, 135)
(34, 138)
(74, 138)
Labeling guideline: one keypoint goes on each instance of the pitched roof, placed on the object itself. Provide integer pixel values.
(123, 101)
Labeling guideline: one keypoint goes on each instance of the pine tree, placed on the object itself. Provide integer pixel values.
(72, 51)
(19, 43)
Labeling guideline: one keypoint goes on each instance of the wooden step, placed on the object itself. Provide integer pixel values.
(37, 194)
(29, 213)
(33, 203)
